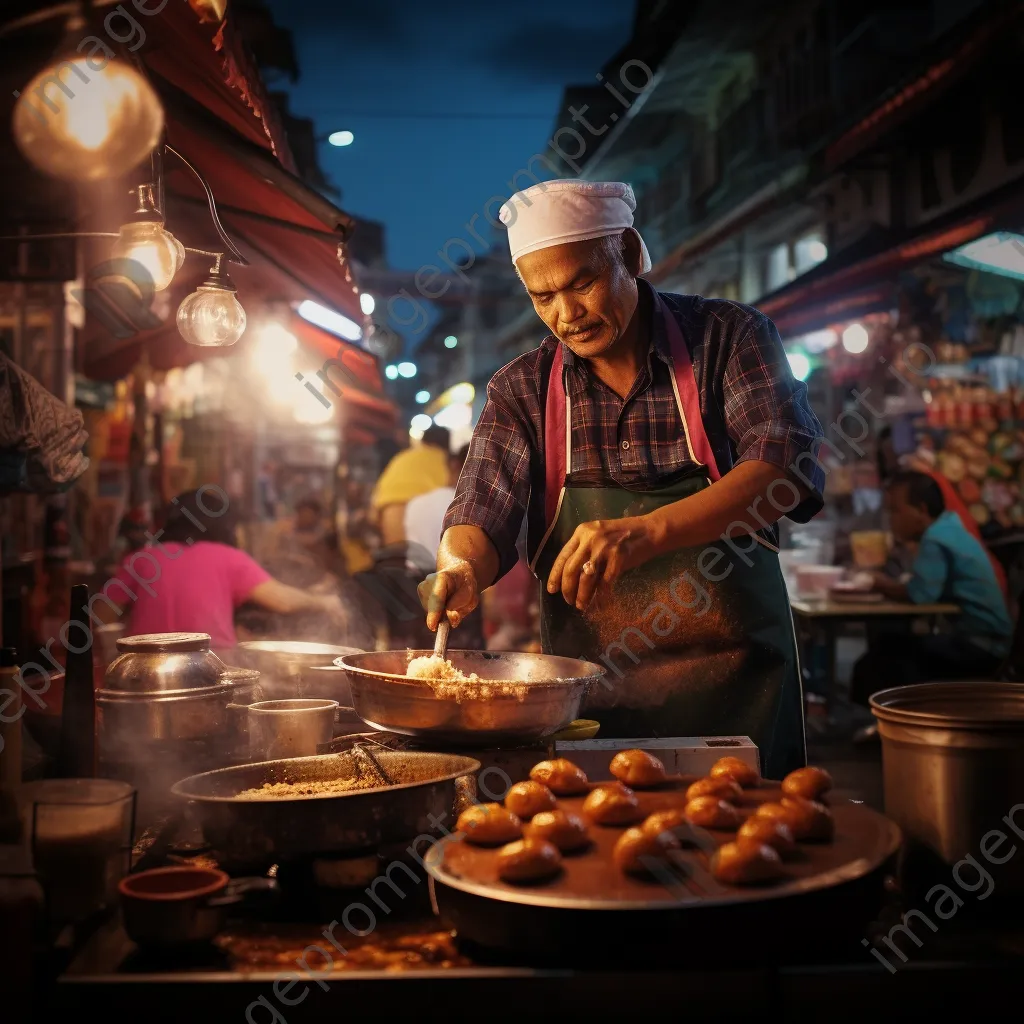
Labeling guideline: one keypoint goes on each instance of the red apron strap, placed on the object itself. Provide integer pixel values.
(555, 467)
(688, 397)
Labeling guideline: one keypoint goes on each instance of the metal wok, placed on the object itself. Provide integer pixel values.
(386, 699)
(257, 833)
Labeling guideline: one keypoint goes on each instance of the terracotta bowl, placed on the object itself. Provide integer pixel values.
(174, 906)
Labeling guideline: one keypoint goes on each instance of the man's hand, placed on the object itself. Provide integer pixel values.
(886, 585)
(451, 591)
(608, 548)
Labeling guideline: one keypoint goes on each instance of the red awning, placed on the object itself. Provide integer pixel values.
(209, 60)
(353, 373)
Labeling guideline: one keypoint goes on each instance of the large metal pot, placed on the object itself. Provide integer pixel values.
(953, 766)
(123, 719)
(163, 712)
(297, 668)
(150, 662)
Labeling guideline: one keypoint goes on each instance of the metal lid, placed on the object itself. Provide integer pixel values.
(964, 705)
(145, 643)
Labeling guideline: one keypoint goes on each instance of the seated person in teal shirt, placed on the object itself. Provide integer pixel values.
(951, 567)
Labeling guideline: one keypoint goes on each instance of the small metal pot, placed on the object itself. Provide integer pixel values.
(289, 728)
(953, 770)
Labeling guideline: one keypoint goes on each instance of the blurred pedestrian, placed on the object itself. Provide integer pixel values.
(193, 578)
(414, 471)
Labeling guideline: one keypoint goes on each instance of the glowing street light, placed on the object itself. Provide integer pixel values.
(451, 341)
(799, 364)
(342, 138)
(367, 303)
(329, 320)
(855, 339)
(391, 371)
(407, 369)
(421, 421)
(422, 397)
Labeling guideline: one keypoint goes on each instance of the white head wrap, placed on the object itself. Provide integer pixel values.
(568, 210)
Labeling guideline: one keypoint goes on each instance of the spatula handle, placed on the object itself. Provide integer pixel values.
(441, 640)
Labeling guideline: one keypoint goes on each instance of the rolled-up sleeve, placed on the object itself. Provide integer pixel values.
(494, 488)
(767, 414)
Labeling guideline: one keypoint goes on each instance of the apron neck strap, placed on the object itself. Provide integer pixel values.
(684, 383)
(558, 428)
(557, 437)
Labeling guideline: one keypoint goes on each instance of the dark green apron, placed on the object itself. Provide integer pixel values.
(687, 652)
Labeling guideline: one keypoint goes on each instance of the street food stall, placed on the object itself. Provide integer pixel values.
(463, 842)
(313, 829)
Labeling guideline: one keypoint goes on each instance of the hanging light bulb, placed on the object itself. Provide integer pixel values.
(211, 316)
(86, 116)
(146, 241)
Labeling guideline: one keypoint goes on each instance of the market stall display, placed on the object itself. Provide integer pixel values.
(778, 863)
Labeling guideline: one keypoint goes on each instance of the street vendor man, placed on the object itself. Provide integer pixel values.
(652, 442)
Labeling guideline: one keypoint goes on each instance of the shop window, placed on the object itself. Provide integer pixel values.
(808, 252)
(779, 270)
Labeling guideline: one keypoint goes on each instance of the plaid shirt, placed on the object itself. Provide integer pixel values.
(752, 407)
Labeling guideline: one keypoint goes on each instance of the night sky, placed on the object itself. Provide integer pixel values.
(424, 177)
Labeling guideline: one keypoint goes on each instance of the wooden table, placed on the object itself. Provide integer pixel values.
(826, 617)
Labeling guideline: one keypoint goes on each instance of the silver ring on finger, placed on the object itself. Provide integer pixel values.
(589, 569)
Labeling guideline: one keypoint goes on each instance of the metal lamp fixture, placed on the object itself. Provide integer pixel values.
(145, 240)
(86, 117)
(212, 316)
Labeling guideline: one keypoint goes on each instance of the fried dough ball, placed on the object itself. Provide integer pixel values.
(735, 769)
(771, 832)
(712, 812)
(724, 787)
(637, 850)
(529, 860)
(612, 803)
(637, 768)
(746, 863)
(489, 825)
(810, 822)
(526, 799)
(788, 816)
(814, 820)
(565, 830)
(664, 821)
(561, 776)
(809, 783)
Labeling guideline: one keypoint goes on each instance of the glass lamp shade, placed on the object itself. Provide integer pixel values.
(148, 243)
(82, 124)
(211, 316)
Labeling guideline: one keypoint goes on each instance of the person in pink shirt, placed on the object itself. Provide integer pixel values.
(191, 577)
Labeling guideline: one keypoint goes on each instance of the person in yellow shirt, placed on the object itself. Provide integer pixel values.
(412, 472)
